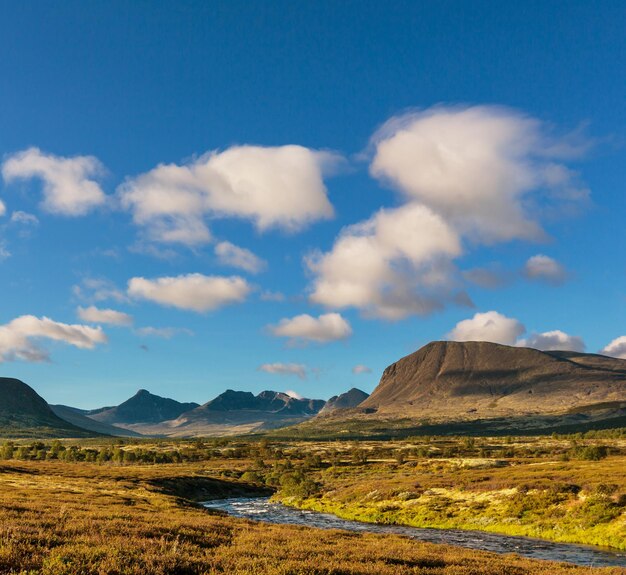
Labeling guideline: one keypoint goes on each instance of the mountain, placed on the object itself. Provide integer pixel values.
(237, 412)
(79, 418)
(478, 380)
(347, 400)
(24, 413)
(143, 407)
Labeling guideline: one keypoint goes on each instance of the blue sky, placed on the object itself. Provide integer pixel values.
(488, 134)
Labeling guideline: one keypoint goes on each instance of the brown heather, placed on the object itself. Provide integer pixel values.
(82, 518)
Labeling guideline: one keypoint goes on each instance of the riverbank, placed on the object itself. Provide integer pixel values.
(574, 502)
(67, 518)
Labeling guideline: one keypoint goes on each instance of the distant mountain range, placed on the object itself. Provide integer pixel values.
(143, 407)
(234, 412)
(24, 413)
(443, 384)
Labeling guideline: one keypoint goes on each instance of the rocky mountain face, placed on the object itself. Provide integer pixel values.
(241, 412)
(479, 380)
(24, 413)
(143, 407)
(266, 401)
(347, 400)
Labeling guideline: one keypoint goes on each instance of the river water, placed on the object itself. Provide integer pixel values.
(262, 509)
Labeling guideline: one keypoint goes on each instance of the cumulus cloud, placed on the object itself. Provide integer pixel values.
(322, 329)
(294, 394)
(109, 316)
(98, 289)
(474, 175)
(488, 326)
(359, 369)
(545, 269)
(270, 186)
(231, 255)
(297, 369)
(3, 208)
(390, 266)
(20, 338)
(19, 217)
(553, 340)
(194, 292)
(476, 166)
(163, 332)
(497, 328)
(70, 185)
(617, 348)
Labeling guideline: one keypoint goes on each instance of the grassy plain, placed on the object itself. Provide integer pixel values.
(60, 514)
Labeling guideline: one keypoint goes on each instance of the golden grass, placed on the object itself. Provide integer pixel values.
(80, 518)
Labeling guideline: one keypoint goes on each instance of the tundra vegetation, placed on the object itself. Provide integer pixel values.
(128, 506)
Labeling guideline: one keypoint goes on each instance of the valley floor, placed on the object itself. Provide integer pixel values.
(62, 516)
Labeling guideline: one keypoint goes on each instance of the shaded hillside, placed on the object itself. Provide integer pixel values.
(478, 380)
(77, 417)
(232, 404)
(143, 407)
(236, 412)
(347, 400)
(24, 413)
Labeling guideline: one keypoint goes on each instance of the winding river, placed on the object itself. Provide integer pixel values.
(262, 509)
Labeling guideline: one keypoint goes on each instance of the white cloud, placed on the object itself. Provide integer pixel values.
(25, 218)
(3, 208)
(4, 252)
(322, 329)
(477, 167)
(617, 348)
(544, 268)
(98, 289)
(553, 340)
(271, 186)
(20, 338)
(489, 326)
(231, 255)
(359, 369)
(294, 394)
(194, 292)
(390, 266)
(479, 174)
(69, 184)
(164, 332)
(297, 369)
(109, 316)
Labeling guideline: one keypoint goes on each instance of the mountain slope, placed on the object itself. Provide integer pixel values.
(471, 380)
(237, 412)
(77, 417)
(143, 407)
(347, 400)
(24, 413)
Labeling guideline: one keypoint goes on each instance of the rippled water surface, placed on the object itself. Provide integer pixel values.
(262, 509)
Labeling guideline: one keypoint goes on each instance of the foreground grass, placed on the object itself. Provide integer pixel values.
(60, 518)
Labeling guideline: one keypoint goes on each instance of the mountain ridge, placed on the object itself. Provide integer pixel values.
(24, 413)
(480, 379)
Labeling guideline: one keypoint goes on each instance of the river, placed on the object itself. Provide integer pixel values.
(262, 509)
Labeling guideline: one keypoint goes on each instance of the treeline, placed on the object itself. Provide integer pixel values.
(123, 451)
